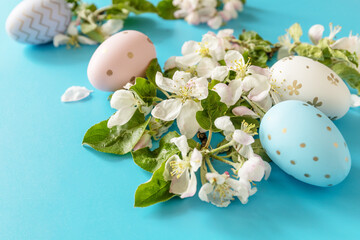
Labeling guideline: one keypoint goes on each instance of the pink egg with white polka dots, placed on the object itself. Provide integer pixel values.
(120, 59)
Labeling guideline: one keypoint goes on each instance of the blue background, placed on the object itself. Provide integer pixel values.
(53, 188)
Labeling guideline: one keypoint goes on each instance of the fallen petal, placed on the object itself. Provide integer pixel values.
(75, 93)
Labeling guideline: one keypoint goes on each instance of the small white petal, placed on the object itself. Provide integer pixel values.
(233, 58)
(121, 117)
(195, 160)
(220, 73)
(166, 84)
(182, 145)
(204, 191)
(168, 168)
(112, 26)
(244, 111)
(206, 66)
(75, 93)
(188, 60)
(167, 110)
(145, 141)
(189, 47)
(179, 185)
(235, 87)
(198, 88)
(215, 22)
(73, 29)
(224, 123)
(258, 85)
(181, 77)
(186, 121)
(191, 188)
(355, 100)
(122, 98)
(315, 33)
(242, 137)
(60, 39)
(283, 52)
(267, 170)
(86, 41)
(170, 63)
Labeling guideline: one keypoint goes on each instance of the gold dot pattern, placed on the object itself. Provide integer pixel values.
(319, 115)
(130, 55)
(292, 162)
(302, 145)
(336, 145)
(278, 152)
(346, 159)
(315, 159)
(284, 130)
(327, 176)
(148, 39)
(125, 32)
(109, 72)
(330, 185)
(269, 137)
(307, 175)
(328, 128)
(345, 144)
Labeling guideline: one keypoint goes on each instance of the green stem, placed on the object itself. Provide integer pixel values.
(215, 150)
(212, 169)
(208, 140)
(165, 93)
(222, 160)
(256, 107)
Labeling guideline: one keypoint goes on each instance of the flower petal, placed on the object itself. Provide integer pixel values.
(235, 87)
(198, 88)
(224, 123)
(182, 145)
(186, 121)
(188, 60)
(191, 188)
(145, 141)
(122, 99)
(75, 93)
(258, 85)
(121, 117)
(220, 73)
(267, 170)
(190, 47)
(73, 29)
(181, 77)
(179, 185)
(242, 137)
(355, 100)
(195, 160)
(233, 58)
(168, 169)
(60, 39)
(215, 22)
(166, 84)
(244, 111)
(167, 110)
(86, 41)
(204, 191)
(112, 26)
(315, 33)
(170, 63)
(206, 66)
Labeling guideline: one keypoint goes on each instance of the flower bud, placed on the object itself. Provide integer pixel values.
(316, 33)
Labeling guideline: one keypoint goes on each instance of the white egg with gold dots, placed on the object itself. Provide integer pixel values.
(301, 78)
(304, 143)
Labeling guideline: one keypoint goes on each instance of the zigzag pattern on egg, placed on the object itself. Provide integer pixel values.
(38, 22)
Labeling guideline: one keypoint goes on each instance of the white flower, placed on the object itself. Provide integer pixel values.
(125, 102)
(333, 31)
(193, 51)
(254, 169)
(244, 111)
(145, 141)
(221, 189)
(242, 138)
(111, 27)
(229, 94)
(183, 107)
(225, 38)
(181, 171)
(316, 33)
(355, 100)
(257, 85)
(235, 62)
(75, 93)
(286, 45)
(72, 37)
(215, 22)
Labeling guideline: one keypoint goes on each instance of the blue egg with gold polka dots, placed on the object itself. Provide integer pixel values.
(305, 143)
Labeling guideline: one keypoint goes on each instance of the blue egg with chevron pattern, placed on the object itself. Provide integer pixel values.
(38, 21)
(305, 143)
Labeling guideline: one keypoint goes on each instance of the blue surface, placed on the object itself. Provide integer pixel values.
(53, 188)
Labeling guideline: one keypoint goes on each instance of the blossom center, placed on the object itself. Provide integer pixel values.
(203, 50)
(179, 167)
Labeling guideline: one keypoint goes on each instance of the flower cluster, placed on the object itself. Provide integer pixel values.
(214, 13)
(211, 89)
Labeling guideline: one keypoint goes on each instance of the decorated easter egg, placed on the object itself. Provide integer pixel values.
(38, 21)
(304, 143)
(301, 78)
(120, 59)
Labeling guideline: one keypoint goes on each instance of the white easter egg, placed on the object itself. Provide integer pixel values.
(38, 21)
(304, 143)
(301, 78)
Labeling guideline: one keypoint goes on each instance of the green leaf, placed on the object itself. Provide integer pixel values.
(154, 191)
(152, 160)
(295, 32)
(166, 9)
(92, 31)
(119, 139)
(310, 51)
(259, 150)
(136, 6)
(212, 109)
(144, 89)
(348, 73)
(152, 69)
(213, 83)
(170, 72)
